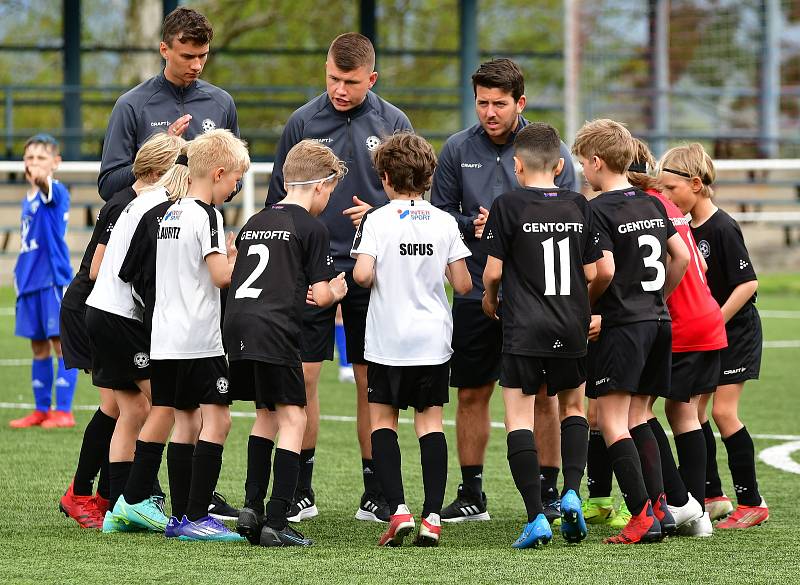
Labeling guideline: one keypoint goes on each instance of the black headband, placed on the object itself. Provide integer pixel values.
(182, 160)
(638, 166)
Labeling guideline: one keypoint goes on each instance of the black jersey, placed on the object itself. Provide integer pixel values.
(634, 227)
(721, 243)
(80, 287)
(544, 237)
(281, 251)
(139, 266)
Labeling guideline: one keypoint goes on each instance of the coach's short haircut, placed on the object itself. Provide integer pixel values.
(43, 139)
(408, 160)
(157, 155)
(350, 51)
(502, 74)
(644, 163)
(608, 140)
(690, 161)
(309, 160)
(538, 145)
(215, 149)
(186, 25)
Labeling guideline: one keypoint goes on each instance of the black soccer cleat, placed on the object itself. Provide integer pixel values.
(373, 508)
(249, 524)
(552, 511)
(220, 509)
(303, 506)
(287, 536)
(466, 506)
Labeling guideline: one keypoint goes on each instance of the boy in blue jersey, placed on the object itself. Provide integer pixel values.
(42, 272)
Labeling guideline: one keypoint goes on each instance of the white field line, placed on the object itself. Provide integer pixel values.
(780, 456)
(780, 314)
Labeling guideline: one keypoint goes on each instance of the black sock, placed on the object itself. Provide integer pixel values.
(286, 468)
(179, 471)
(524, 463)
(118, 472)
(155, 489)
(371, 483)
(144, 471)
(713, 482)
(433, 456)
(472, 478)
(691, 449)
(103, 487)
(674, 487)
(306, 469)
(598, 466)
(94, 451)
(206, 464)
(649, 459)
(742, 463)
(549, 478)
(628, 470)
(574, 447)
(386, 458)
(259, 459)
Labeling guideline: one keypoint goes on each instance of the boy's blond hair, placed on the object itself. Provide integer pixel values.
(217, 149)
(157, 155)
(309, 160)
(646, 163)
(608, 140)
(689, 161)
(176, 179)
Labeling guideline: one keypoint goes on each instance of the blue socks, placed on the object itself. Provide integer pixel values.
(341, 345)
(42, 382)
(65, 386)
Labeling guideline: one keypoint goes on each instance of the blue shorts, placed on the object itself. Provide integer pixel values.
(38, 314)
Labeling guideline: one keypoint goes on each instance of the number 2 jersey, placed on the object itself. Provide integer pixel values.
(281, 251)
(544, 238)
(634, 227)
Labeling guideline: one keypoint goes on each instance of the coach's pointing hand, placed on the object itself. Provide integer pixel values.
(357, 211)
(179, 126)
(480, 222)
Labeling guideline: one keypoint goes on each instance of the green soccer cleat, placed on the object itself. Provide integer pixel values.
(146, 514)
(621, 518)
(599, 510)
(113, 524)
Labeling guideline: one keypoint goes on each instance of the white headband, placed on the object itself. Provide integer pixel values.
(311, 182)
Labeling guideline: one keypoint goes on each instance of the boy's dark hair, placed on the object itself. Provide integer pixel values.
(45, 140)
(186, 25)
(500, 73)
(350, 51)
(409, 161)
(539, 147)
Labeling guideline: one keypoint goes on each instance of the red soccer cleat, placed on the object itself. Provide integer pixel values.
(401, 524)
(59, 419)
(102, 504)
(82, 509)
(640, 528)
(719, 507)
(34, 419)
(746, 517)
(429, 531)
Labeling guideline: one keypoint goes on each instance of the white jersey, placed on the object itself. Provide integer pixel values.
(187, 309)
(111, 294)
(408, 320)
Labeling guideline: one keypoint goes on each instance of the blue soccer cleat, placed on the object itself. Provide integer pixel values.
(535, 533)
(113, 524)
(173, 527)
(207, 529)
(145, 514)
(573, 526)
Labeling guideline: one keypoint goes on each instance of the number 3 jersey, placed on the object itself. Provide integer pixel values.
(634, 227)
(544, 238)
(281, 251)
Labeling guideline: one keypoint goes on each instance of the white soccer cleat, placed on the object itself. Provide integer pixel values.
(701, 528)
(688, 513)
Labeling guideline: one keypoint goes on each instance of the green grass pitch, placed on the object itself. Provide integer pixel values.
(38, 545)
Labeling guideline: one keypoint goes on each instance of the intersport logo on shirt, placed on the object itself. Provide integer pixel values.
(414, 214)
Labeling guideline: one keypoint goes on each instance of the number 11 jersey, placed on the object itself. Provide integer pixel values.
(281, 250)
(634, 227)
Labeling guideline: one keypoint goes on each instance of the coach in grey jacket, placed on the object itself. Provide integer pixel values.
(176, 101)
(351, 120)
(475, 166)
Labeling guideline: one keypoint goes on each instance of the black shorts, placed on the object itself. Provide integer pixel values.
(635, 358)
(529, 373)
(75, 339)
(693, 373)
(267, 384)
(741, 360)
(402, 386)
(120, 349)
(316, 343)
(477, 346)
(186, 384)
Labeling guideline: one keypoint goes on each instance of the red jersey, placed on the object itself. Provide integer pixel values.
(697, 322)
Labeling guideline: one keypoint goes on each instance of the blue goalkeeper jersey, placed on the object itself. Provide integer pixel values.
(43, 257)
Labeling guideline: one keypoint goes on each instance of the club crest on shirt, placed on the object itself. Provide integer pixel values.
(209, 125)
(222, 385)
(141, 360)
(704, 247)
(373, 142)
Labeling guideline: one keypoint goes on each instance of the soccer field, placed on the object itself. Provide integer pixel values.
(38, 545)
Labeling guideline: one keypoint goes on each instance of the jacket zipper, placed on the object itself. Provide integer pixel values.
(349, 140)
